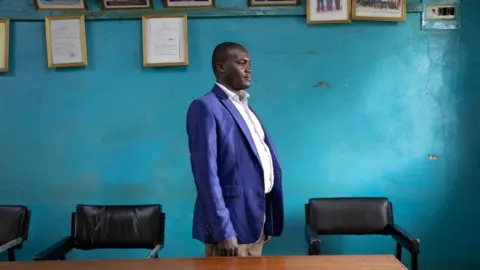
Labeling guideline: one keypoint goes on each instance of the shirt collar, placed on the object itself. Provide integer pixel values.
(241, 96)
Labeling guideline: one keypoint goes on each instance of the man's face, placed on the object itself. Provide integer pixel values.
(237, 69)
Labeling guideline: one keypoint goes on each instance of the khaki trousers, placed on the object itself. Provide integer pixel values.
(244, 250)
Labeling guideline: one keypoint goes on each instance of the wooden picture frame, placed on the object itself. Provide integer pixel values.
(189, 3)
(41, 6)
(104, 5)
(4, 44)
(170, 43)
(383, 10)
(272, 3)
(68, 38)
(328, 11)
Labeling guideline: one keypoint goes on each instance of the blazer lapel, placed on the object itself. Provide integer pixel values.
(238, 118)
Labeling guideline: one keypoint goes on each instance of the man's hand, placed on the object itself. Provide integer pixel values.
(267, 238)
(228, 248)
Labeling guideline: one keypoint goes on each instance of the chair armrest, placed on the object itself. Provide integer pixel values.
(313, 241)
(405, 239)
(11, 244)
(57, 251)
(154, 252)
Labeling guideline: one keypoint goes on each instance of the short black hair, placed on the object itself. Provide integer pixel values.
(221, 50)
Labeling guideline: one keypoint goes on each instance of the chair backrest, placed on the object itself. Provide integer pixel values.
(14, 223)
(118, 226)
(355, 216)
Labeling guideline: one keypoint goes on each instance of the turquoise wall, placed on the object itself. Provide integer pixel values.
(114, 132)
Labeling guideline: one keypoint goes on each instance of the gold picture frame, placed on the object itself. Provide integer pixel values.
(105, 7)
(83, 7)
(4, 44)
(382, 11)
(273, 3)
(78, 48)
(189, 3)
(177, 52)
(329, 14)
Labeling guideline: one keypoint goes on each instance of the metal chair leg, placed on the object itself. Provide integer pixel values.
(11, 255)
(399, 252)
(414, 261)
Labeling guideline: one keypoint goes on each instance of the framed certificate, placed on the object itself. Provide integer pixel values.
(66, 42)
(126, 4)
(189, 3)
(4, 44)
(61, 5)
(266, 3)
(165, 40)
(383, 10)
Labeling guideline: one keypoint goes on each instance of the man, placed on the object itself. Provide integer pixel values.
(320, 6)
(329, 5)
(239, 203)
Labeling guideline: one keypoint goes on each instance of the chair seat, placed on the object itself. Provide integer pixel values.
(111, 227)
(14, 227)
(356, 216)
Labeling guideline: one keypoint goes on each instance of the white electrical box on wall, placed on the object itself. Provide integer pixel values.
(441, 14)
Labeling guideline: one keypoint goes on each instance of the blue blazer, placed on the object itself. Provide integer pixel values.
(231, 199)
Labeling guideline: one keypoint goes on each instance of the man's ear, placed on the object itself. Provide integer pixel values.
(220, 67)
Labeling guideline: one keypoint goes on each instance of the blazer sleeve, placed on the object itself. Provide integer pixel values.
(202, 140)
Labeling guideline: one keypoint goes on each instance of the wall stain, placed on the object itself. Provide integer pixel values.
(322, 84)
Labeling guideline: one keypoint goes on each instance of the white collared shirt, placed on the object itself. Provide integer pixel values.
(256, 130)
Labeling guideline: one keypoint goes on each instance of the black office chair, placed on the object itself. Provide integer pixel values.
(355, 216)
(14, 226)
(111, 227)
